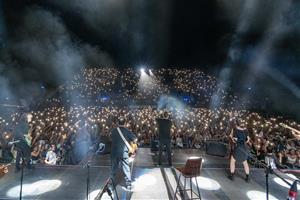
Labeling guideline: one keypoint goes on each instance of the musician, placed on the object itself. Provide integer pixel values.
(120, 151)
(164, 131)
(23, 135)
(239, 136)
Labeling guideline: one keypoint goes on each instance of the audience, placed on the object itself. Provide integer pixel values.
(74, 122)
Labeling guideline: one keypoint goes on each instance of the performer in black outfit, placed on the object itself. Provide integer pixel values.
(164, 127)
(239, 137)
(119, 152)
(23, 137)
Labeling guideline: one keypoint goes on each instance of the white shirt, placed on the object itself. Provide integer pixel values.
(51, 158)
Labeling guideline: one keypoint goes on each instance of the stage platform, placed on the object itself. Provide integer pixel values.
(151, 181)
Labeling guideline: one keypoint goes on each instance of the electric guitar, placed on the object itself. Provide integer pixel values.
(132, 147)
(4, 169)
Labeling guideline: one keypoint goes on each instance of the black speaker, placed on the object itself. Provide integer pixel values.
(164, 129)
(214, 148)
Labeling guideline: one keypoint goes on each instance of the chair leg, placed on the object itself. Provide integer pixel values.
(184, 188)
(198, 188)
(178, 181)
(191, 186)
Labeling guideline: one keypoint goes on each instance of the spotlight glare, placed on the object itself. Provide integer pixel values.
(207, 183)
(144, 181)
(257, 195)
(34, 189)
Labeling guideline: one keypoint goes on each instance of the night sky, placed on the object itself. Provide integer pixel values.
(255, 43)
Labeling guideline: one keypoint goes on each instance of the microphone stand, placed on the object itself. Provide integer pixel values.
(269, 170)
(88, 181)
(22, 177)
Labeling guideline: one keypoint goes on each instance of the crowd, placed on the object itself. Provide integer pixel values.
(65, 133)
(73, 133)
(115, 87)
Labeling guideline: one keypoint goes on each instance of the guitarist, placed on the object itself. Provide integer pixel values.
(23, 137)
(120, 151)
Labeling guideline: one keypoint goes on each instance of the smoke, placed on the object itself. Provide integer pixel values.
(43, 50)
(173, 105)
(46, 44)
(223, 84)
(243, 15)
(139, 28)
(252, 63)
(101, 15)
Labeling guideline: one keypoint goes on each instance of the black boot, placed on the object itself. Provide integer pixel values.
(231, 176)
(247, 179)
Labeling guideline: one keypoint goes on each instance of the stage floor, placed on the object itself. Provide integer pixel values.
(151, 181)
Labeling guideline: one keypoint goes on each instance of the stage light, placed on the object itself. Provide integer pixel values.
(257, 195)
(34, 189)
(142, 71)
(207, 183)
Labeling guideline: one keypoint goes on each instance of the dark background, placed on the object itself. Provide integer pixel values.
(253, 46)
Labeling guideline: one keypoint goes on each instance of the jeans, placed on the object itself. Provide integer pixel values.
(124, 162)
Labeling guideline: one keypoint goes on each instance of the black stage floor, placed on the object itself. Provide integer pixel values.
(151, 181)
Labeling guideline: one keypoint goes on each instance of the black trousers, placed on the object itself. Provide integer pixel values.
(167, 146)
(25, 155)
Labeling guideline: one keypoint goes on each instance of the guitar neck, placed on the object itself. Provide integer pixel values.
(291, 128)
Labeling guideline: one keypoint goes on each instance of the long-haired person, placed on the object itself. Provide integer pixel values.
(239, 137)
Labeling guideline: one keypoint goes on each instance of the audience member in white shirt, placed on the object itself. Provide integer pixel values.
(51, 156)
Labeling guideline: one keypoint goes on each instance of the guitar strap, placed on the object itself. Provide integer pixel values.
(124, 140)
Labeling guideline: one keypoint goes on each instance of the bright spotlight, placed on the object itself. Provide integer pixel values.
(257, 195)
(144, 181)
(207, 183)
(34, 189)
(142, 70)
